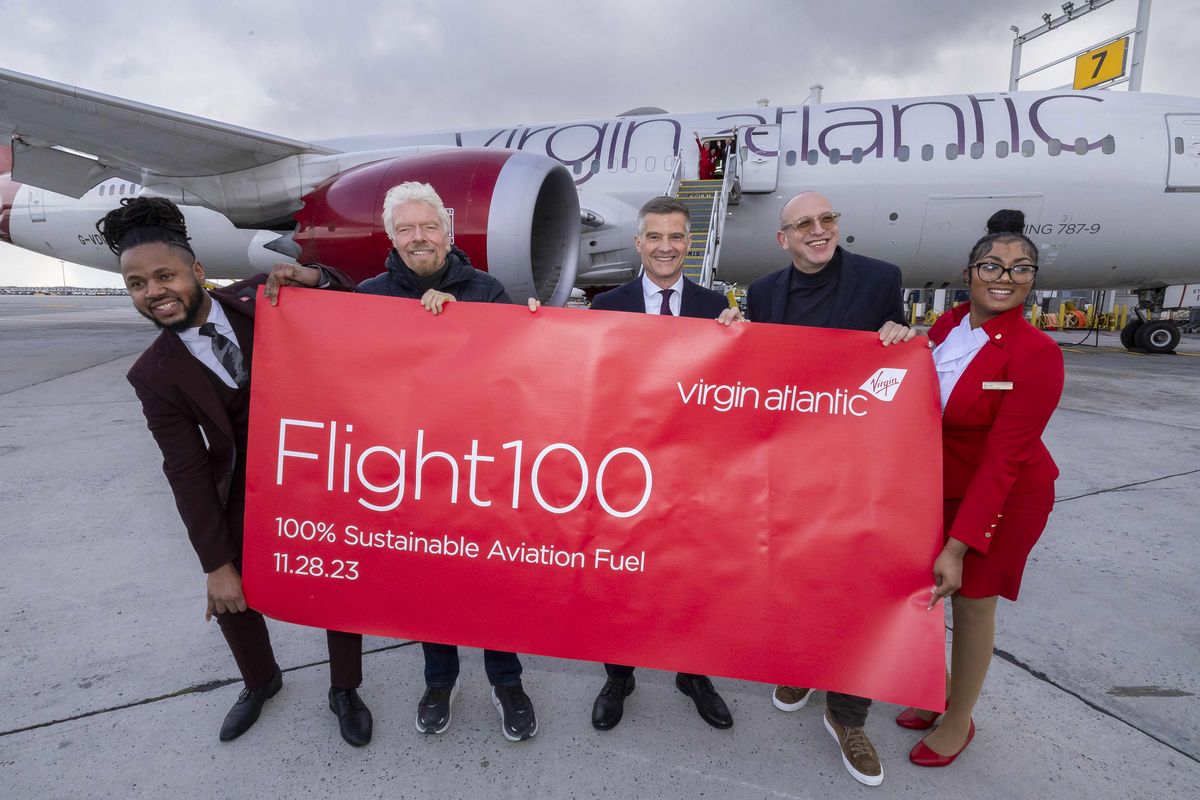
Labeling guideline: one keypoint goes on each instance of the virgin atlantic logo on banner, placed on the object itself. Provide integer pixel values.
(884, 383)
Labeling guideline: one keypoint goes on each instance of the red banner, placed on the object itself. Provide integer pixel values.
(758, 502)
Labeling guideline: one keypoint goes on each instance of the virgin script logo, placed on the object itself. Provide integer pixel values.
(884, 383)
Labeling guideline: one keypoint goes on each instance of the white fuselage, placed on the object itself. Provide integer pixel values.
(915, 181)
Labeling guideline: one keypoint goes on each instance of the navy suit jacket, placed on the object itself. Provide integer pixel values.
(696, 301)
(868, 295)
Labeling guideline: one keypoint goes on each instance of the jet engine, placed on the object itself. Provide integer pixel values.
(515, 214)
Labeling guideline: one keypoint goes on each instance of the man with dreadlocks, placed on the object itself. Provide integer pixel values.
(194, 384)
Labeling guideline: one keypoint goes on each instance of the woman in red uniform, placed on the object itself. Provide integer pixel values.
(1000, 381)
(706, 159)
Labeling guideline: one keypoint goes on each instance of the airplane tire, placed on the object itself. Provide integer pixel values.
(1157, 336)
(1129, 334)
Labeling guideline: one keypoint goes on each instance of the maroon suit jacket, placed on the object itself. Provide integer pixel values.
(992, 437)
(190, 423)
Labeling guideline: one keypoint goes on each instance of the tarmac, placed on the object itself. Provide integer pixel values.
(114, 686)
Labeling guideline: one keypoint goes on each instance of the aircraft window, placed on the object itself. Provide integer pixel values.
(596, 166)
(649, 164)
(813, 157)
(1107, 145)
(902, 152)
(632, 166)
(856, 155)
(1081, 146)
(976, 149)
(745, 153)
(1178, 145)
(577, 167)
(951, 151)
(790, 158)
(1001, 149)
(122, 188)
(927, 152)
(1054, 147)
(835, 155)
(1027, 147)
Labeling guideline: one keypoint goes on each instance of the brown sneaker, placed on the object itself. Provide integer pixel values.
(858, 754)
(790, 698)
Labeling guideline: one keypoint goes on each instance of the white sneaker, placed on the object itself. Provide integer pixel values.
(790, 698)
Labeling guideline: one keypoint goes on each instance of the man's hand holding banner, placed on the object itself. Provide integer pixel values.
(758, 501)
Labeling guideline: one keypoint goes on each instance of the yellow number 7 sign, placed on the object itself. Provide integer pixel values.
(1101, 65)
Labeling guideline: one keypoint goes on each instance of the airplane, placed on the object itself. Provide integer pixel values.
(1109, 183)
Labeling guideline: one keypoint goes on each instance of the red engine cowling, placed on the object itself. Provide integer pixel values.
(515, 214)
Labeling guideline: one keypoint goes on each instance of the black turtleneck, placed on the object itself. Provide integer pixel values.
(811, 296)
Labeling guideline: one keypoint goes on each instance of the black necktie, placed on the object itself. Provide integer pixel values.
(666, 303)
(228, 353)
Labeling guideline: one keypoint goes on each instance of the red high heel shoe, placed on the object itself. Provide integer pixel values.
(922, 756)
(908, 718)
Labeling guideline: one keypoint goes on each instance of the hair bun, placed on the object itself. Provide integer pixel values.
(1006, 220)
(138, 220)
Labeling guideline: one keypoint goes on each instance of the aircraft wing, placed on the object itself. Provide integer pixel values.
(68, 139)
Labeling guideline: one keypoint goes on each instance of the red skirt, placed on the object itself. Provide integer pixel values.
(999, 571)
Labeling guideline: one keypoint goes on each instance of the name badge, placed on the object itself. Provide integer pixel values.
(1003, 386)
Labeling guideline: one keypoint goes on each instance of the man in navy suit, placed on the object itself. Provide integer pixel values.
(662, 241)
(828, 287)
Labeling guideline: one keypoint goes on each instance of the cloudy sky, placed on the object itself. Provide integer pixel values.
(311, 70)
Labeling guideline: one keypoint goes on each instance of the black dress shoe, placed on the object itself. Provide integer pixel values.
(710, 705)
(249, 705)
(354, 718)
(610, 703)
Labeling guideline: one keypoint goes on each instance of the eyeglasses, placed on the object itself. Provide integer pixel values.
(805, 224)
(990, 273)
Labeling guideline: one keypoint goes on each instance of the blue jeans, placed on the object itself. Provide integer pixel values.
(441, 665)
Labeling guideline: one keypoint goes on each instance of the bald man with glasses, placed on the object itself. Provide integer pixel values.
(826, 286)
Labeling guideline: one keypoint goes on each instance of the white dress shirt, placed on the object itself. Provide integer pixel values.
(201, 346)
(954, 354)
(652, 295)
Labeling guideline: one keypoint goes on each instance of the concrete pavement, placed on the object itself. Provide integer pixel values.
(113, 685)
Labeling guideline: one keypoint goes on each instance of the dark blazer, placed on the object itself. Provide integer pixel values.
(695, 302)
(992, 446)
(180, 401)
(868, 294)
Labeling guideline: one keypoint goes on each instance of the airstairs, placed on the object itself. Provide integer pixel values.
(707, 203)
(701, 198)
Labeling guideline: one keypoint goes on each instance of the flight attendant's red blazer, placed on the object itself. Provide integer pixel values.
(993, 421)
